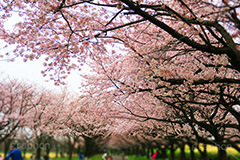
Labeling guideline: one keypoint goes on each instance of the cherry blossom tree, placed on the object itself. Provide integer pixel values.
(67, 30)
(43, 117)
(207, 105)
(164, 89)
(17, 100)
(83, 119)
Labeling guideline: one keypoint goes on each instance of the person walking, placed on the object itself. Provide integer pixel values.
(123, 157)
(14, 153)
(105, 156)
(110, 157)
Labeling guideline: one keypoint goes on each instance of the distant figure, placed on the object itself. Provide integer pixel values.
(105, 156)
(123, 156)
(14, 153)
(80, 157)
(154, 155)
(110, 157)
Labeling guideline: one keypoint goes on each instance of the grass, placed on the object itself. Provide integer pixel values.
(212, 152)
(64, 158)
(95, 157)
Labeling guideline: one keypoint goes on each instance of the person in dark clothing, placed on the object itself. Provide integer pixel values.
(14, 153)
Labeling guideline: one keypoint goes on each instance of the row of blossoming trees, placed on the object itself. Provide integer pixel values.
(36, 118)
(169, 69)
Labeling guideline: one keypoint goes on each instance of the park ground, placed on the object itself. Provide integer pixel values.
(212, 152)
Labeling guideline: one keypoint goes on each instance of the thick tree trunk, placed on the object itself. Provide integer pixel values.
(222, 154)
(38, 149)
(163, 152)
(90, 146)
(38, 153)
(192, 154)
(182, 152)
(7, 144)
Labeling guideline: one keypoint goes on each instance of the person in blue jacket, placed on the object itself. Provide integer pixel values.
(14, 153)
(80, 157)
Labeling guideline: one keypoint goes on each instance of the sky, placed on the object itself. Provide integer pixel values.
(30, 71)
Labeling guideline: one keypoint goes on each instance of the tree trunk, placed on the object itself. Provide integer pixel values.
(172, 150)
(135, 150)
(90, 146)
(152, 151)
(70, 148)
(163, 152)
(222, 154)
(204, 152)
(182, 152)
(38, 149)
(148, 153)
(38, 153)
(56, 149)
(143, 149)
(7, 144)
(192, 154)
(79, 149)
(48, 148)
(24, 153)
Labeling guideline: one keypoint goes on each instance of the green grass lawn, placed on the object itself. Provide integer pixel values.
(212, 153)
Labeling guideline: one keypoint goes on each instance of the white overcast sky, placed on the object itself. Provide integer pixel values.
(30, 71)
